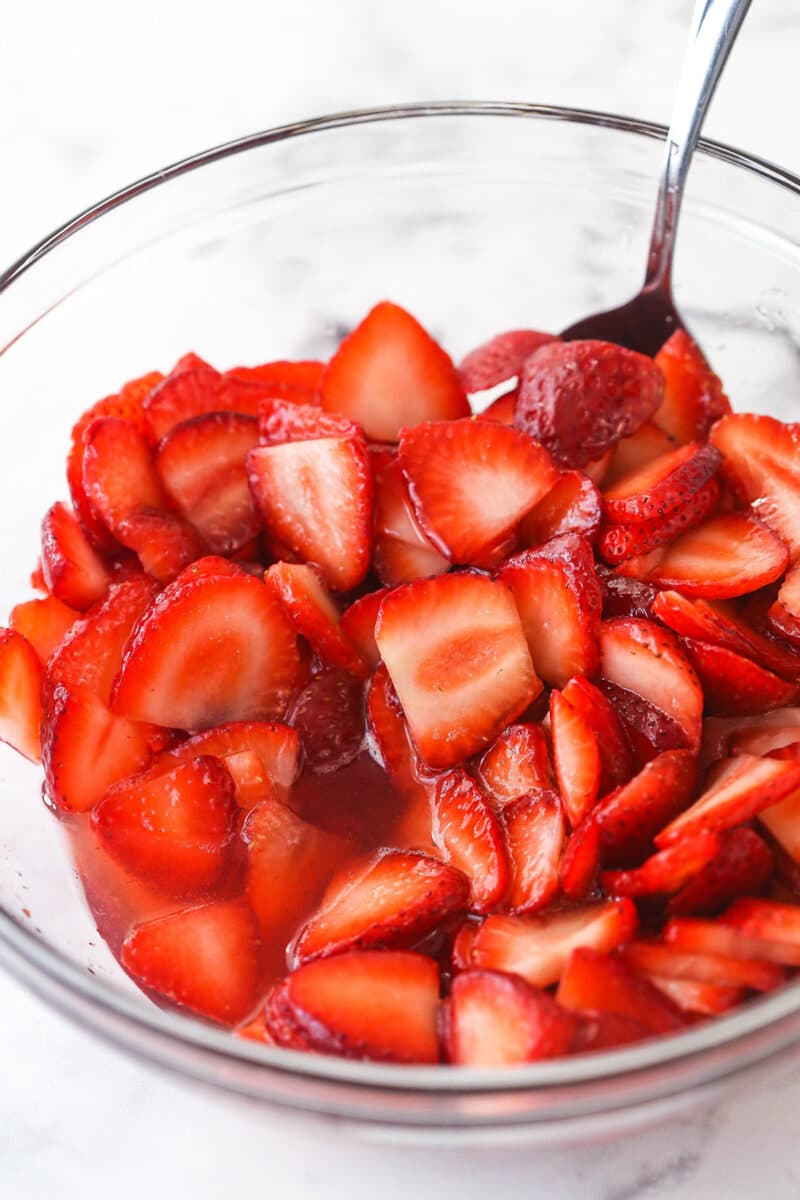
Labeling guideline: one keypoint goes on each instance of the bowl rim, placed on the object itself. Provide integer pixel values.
(761, 1028)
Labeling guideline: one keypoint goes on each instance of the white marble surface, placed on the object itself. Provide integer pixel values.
(93, 94)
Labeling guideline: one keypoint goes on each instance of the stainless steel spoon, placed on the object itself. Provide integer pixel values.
(646, 321)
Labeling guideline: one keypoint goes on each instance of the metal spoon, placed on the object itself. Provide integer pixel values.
(646, 321)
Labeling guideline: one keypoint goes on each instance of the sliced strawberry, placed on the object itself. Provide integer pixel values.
(496, 1020)
(277, 746)
(600, 715)
(205, 959)
(752, 735)
(389, 373)
(784, 614)
(605, 1031)
(692, 996)
(500, 359)
(535, 831)
(20, 694)
(72, 570)
(388, 732)
(211, 649)
(649, 730)
(729, 940)
(579, 398)
(194, 390)
(201, 465)
(369, 1005)
(44, 623)
(470, 835)
(770, 921)
(502, 409)
(573, 505)
(637, 451)
(538, 948)
(660, 486)
(693, 395)
(163, 543)
(305, 376)
(403, 552)
(559, 601)
(576, 758)
(329, 717)
(594, 982)
(251, 782)
(517, 763)
(733, 684)
(618, 543)
(629, 818)
(743, 866)
(457, 657)
(667, 870)
(314, 615)
(399, 900)
(471, 482)
(782, 822)
(580, 862)
(647, 660)
(625, 597)
(657, 958)
(759, 462)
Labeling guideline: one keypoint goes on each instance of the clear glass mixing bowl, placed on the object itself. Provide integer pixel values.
(477, 217)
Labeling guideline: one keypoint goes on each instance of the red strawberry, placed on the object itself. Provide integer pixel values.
(606, 1031)
(163, 543)
(692, 996)
(391, 741)
(211, 649)
(357, 625)
(205, 959)
(579, 398)
(496, 1020)
(396, 902)
(517, 763)
(635, 452)
(535, 832)
(625, 597)
(667, 870)
(629, 818)
(743, 865)
(471, 482)
(456, 654)
(194, 390)
(618, 543)
(580, 862)
(389, 373)
(502, 409)
(576, 758)
(657, 958)
(72, 570)
(250, 781)
(369, 1005)
(281, 420)
(314, 615)
(784, 614)
(659, 487)
(600, 715)
(734, 935)
(289, 377)
(559, 601)
(597, 469)
(470, 835)
(277, 747)
(734, 684)
(573, 505)
(44, 623)
(782, 822)
(538, 948)
(20, 694)
(403, 552)
(595, 982)
(500, 359)
(649, 730)
(329, 717)
(777, 924)
(693, 395)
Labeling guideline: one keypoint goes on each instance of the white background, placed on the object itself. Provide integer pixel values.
(93, 94)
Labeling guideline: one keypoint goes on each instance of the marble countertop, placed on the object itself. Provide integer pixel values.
(93, 95)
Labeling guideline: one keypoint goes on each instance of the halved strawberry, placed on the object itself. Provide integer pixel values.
(618, 543)
(732, 936)
(659, 487)
(600, 715)
(559, 601)
(20, 694)
(357, 624)
(470, 835)
(388, 732)
(538, 947)
(579, 398)
(72, 570)
(693, 395)
(733, 684)
(500, 359)
(389, 373)
(399, 900)
(288, 377)
(403, 552)
(635, 452)
(759, 462)
(457, 657)
(576, 758)
(770, 921)
(328, 714)
(277, 747)
(471, 482)
(314, 615)
(595, 982)
(44, 623)
(535, 831)
(742, 866)
(201, 465)
(205, 958)
(784, 614)
(580, 862)
(693, 996)
(496, 1020)
(667, 870)
(212, 648)
(517, 763)
(573, 505)
(657, 958)
(174, 829)
(629, 818)
(366, 1005)
(646, 659)
(193, 389)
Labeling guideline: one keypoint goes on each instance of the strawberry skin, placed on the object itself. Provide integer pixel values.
(329, 717)
(742, 866)
(667, 870)
(733, 684)
(193, 389)
(658, 488)
(597, 711)
(497, 1020)
(470, 834)
(597, 983)
(72, 569)
(617, 543)
(693, 395)
(500, 359)
(390, 740)
(20, 695)
(629, 818)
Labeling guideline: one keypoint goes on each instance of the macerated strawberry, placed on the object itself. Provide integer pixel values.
(388, 732)
(742, 866)
(357, 624)
(693, 395)
(667, 870)
(559, 601)
(759, 462)
(500, 359)
(201, 465)
(538, 947)
(328, 715)
(579, 398)
(580, 862)
(617, 543)
(573, 505)
(284, 376)
(471, 482)
(470, 835)
(770, 921)
(396, 902)
(457, 657)
(646, 659)
(648, 729)
(389, 373)
(72, 569)
(365, 1005)
(576, 758)
(728, 939)
(659, 487)
(694, 996)
(495, 1020)
(629, 817)
(625, 597)
(635, 452)
(277, 747)
(205, 959)
(314, 615)
(44, 623)
(194, 390)
(517, 763)
(595, 982)
(251, 783)
(535, 831)
(734, 684)
(784, 614)
(606, 1031)
(651, 957)
(600, 715)
(20, 694)
(598, 467)
(164, 544)
(502, 409)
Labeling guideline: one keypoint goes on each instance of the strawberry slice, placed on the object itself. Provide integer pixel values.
(770, 921)
(782, 822)
(606, 1031)
(314, 615)
(397, 902)
(250, 781)
(576, 758)
(357, 624)
(213, 648)
(314, 490)
(538, 947)
(163, 543)
(44, 623)
(594, 982)
(369, 1005)
(517, 763)
(194, 389)
(496, 1020)
(637, 451)
(471, 482)
(730, 940)
(502, 409)
(205, 959)
(733, 684)
(649, 730)
(659, 487)
(174, 830)
(617, 543)
(457, 657)
(559, 601)
(692, 996)
(403, 552)
(629, 818)
(72, 570)
(500, 359)
(329, 717)
(288, 377)
(743, 865)
(784, 614)
(667, 870)
(535, 831)
(391, 743)
(389, 373)
(598, 712)
(579, 398)
(470, 836)
(625, 597)
(693, 395)
(573, 505)
(20, 694)
(580, 862)
(739, 794)
(276, 746)
(646, 659)
(656, 958)
(201, 465)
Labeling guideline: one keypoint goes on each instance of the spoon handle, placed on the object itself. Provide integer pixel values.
(715, 24)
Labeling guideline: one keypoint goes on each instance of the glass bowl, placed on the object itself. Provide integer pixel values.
(478, 218)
